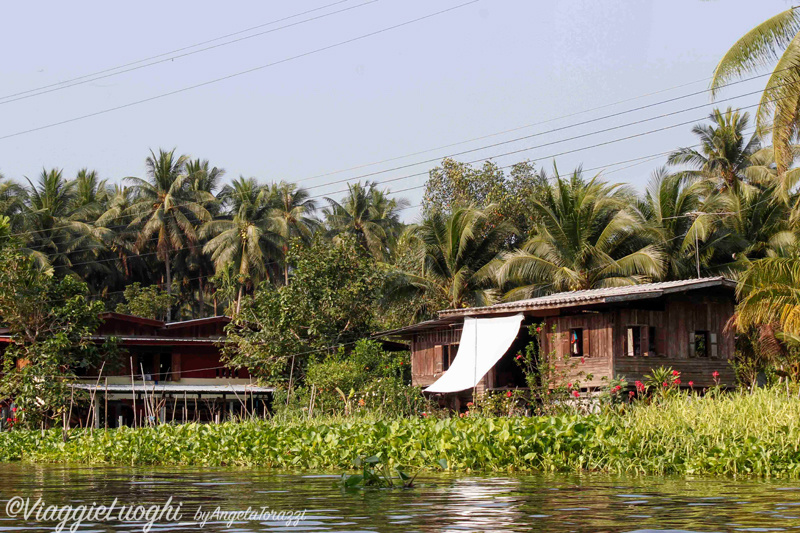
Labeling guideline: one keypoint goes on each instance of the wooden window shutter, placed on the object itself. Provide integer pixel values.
(661, 341)
(713, 341)
(585, 333)
(629, 341)
(691, 344)
(438, 355)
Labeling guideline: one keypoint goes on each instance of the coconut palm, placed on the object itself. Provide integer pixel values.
(774, 41)
(292, 215)
(367, 214)
(456, 259)
(725, 157)
(246, 240)
(673, 208)
(587, 237)
(166, 209)
(56, 238)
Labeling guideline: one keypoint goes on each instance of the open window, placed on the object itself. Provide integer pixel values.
(702, 345)
(448, 354)
(576, 342)
(651, 341)
(633, 341)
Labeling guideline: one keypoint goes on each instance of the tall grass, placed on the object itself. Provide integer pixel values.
(740, 433)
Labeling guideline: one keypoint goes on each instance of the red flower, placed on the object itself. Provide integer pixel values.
(665, 384)
(9, 420)
(461, 415)
(640, 386)
(13, 409)
(631, 393)
(576, 394)
(691, 383)
(583, 360)
(569, 385)
(715, 374)
(677, 382)
(676, 373)
(424, 415)
(509, 394)
(470, 404)
(519, 356)
(618, 388)
(538, 329)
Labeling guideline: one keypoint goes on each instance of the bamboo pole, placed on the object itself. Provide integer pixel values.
(133, 394)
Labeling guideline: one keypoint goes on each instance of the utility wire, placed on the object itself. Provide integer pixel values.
(240, 73)
(177, 50)
(185, 54)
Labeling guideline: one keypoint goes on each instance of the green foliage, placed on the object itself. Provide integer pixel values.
(554, 381)
(147, 302)
(330, 301)
(49, 320)
(366, 379)
(376, 474)
(731, 434)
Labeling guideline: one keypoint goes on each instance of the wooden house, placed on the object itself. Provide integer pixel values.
(602, 333)
(167, 372)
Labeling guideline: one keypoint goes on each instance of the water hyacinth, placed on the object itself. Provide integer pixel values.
(731, 434)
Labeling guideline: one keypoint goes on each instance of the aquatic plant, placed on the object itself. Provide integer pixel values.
(731, 434)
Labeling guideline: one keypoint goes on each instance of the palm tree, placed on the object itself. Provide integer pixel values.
(246, 240)
(367, 214)
(587, 237)
(205, 180)
(291, 216)
(673, 208)
(56, 236)
(167, 209)
(776, 40)
(724, 157)
(456, 259)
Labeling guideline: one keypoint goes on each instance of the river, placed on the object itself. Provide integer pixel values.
(551, 503)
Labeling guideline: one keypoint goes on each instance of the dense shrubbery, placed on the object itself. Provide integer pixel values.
(756, 434)
(365, 379)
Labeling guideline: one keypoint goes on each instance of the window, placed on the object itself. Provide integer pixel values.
(448, 354)
(634, 341)
(651, 341)
(701, 344)
(576, 342)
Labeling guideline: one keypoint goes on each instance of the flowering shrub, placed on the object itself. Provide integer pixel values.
(552, 380)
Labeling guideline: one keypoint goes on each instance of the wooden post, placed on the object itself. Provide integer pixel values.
(106, 399)
(133, 394)
(96, 412)
(291, 375)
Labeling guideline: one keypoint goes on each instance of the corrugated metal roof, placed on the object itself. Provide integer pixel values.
(596, 296)
(173, 387)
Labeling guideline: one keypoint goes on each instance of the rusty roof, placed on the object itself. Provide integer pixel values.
(594, 296)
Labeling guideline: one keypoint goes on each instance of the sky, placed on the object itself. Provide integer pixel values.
(361, 82)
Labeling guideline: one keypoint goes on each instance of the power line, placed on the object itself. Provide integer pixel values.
(525, 126)
(240, 73)
(419, 174)
(177, 50)
(86, 79)
(529, 136)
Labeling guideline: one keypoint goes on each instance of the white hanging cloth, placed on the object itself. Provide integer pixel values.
(483, 343)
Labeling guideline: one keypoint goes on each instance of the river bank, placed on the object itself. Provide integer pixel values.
(732, 434)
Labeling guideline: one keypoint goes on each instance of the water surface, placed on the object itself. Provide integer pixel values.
(588, 503)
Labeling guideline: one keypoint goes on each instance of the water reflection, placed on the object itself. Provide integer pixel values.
(590, 503)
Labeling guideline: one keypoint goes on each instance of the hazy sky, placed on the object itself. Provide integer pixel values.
(488, 67)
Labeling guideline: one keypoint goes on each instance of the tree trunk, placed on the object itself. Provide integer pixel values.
(169, 289)
(239, 299)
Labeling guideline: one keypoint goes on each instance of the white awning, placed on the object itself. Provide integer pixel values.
(483, 343)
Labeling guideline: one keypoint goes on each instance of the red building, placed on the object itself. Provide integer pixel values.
(169, 372)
